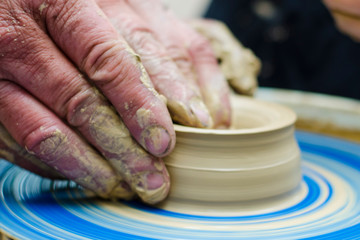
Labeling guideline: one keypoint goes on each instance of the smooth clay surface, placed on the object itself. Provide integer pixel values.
(257, 158)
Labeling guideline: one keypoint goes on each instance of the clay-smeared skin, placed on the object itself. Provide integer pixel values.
(14, 153)
(75, 162)
(59, 98)
(239, 64)
(114, 141)
(179, 61)
(54, 57)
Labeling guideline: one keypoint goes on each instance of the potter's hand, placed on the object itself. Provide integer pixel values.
(52, 56)
(239, 65)
(347, 16)
(180, 62)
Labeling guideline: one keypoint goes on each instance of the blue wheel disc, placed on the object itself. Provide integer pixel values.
(326, 206)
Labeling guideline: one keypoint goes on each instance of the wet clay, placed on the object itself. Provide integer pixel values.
(144, 78)
(255, 159)
(239, 64)
(131, 161)
(78, 162)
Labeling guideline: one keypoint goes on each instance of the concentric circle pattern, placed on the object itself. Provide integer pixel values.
(325, 206)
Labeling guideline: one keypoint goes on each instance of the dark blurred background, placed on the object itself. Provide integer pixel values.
(297, 42)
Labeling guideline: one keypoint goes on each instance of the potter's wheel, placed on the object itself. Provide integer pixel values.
(325, 205)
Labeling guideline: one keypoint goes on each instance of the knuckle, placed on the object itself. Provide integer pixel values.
(158, 63)
(61, 17)
(97, 56)
(27, 128)
(59, 12)
(110, 62)
(65, 91)
(12, 32)
(182, 60)
(81, 107)
(145, 43)
(140, 37)
(19, 40)
(177, 53)
(44, 141)
(200, 49)
(128, 23)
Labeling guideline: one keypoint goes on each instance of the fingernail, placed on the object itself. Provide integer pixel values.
(154, 188)
(122, 191)
(201, 112)
(157, 140)
(154, 180)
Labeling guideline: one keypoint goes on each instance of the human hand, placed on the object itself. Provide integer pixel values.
(180, 61)
(239, 64)
(53, 53)
(347, 16)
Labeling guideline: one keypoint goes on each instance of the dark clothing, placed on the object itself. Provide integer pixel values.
(297, 42)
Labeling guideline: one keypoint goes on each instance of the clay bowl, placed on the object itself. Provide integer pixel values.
(257, 158)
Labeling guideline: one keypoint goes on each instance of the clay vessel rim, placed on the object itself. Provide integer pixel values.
(282, 117)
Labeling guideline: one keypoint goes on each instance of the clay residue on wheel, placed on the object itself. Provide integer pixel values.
(328, 128)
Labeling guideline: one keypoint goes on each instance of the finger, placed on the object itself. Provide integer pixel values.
(70, 96)
(183, 96)
(14, 153)
(146, 174)
(93, 44)
(239, 64)
(44, 135)
(349, 7)
(348, 24)
(212, 82)
(196, 52)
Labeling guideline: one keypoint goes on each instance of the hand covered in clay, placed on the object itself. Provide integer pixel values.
(77, 91)
(347, 16)
(239, 64)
